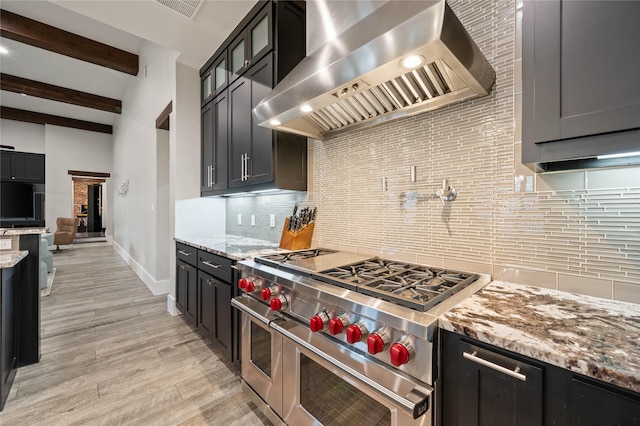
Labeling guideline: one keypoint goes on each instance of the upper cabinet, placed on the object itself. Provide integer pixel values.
(581, 93)
(22, 167)
(237, 154)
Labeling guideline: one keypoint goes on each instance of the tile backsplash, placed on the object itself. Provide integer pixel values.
(575, 231)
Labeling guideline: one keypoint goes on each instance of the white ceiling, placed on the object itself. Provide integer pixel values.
(118, 23)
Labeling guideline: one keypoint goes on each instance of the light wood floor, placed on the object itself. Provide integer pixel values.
(113, 355)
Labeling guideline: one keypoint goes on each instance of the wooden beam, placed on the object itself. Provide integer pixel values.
(34, 33)
(88, 174)
(39, 118)
(162, 122)
(59, 94)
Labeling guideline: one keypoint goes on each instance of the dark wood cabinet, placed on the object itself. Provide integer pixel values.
(214, 318)
(581, 94)
(265, 46)
(214, 144)
(215, 79)
(186, 291)
(481, 384)
(22, 167)
(203, 295)
(8, 330)
(485, 388)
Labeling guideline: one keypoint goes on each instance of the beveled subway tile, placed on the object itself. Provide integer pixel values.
(585, 285)
(518, 275)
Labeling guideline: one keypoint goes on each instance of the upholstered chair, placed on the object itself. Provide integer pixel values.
(66, 232)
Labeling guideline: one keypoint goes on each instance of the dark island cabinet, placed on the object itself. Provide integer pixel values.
(581, 92)
(264, 47)
(484, 385)
(214, 318)
(8, 330)
(22, 167)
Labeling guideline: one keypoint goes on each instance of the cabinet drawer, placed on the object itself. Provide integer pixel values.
(187, 254)
(218, 266)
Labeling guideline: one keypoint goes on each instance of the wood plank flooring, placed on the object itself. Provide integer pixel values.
(113, 355)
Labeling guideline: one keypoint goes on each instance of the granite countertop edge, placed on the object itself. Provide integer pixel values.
(232, 246)
(595, 337)
(21, 231)
(11, 259)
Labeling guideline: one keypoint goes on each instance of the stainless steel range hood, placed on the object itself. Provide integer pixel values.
(357, 79)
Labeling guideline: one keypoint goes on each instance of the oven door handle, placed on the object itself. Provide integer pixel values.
(254, 309)
(416, 402)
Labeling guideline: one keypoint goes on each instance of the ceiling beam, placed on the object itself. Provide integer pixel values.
(162, 122)
(59, 94)
(40, 118)
(34, 33)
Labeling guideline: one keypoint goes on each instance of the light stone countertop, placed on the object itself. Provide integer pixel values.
(21, 231)
(10, 259)
(232, 246)
(595, 337)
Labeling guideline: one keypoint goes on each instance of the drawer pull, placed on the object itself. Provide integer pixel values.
(184, 253)
(213, 265)
(513, 373)
(210, 281)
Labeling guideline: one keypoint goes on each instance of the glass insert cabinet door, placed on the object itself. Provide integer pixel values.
(221, 74)
(260, 36)
(206, 87)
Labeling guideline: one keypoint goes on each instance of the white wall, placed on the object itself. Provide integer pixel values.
(136, 234)
(25, 137)
(72, 149)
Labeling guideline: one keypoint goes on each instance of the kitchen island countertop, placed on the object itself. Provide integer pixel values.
(595, 337)
(232, 246)
(9, 259)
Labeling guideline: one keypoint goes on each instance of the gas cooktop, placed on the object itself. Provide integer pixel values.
(415, 286)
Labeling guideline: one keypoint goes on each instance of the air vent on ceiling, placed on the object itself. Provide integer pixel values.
(187, 8)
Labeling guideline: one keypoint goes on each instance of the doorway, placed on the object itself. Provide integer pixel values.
(88, 207)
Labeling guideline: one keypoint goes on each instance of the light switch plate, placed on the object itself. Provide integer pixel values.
(272, 220)
(5, 244)
(239, 218)
(253, 220)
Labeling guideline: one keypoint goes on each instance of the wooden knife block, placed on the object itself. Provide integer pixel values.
(296, 240)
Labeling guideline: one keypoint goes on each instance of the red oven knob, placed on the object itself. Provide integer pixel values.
(401, 352)
(242, 283)
(250, 287)
(265, 294)
(337, 324)
(355, 332)
(279, 303)
(376, 342)
(318, 322)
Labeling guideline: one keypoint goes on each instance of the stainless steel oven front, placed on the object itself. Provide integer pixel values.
(325, 383)
(261, 354)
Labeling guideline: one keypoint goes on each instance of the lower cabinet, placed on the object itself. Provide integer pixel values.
(203, 295)
(186, 291)
(214, 312)
(484, 385)
(8, 330)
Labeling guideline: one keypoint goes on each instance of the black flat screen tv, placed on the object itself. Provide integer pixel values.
(21, 204)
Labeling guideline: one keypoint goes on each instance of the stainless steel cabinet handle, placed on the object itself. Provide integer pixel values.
(242, 167)
(213, 175)
(246, 166)
(210, 281)
(184, 253)
(513, 373)
(213, 265)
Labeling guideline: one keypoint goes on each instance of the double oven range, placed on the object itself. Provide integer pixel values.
(335, 338)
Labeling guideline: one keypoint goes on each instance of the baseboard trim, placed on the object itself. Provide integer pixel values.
(156, 287)
(171, 305)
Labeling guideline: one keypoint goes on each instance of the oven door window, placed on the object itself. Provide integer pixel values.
(261, 348)
(332, 401)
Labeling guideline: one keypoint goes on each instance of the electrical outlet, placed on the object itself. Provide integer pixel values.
(272, 220)
(239, 218)
(5, 244)
(253, 220)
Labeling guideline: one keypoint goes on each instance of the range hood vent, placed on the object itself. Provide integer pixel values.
(357, 79)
